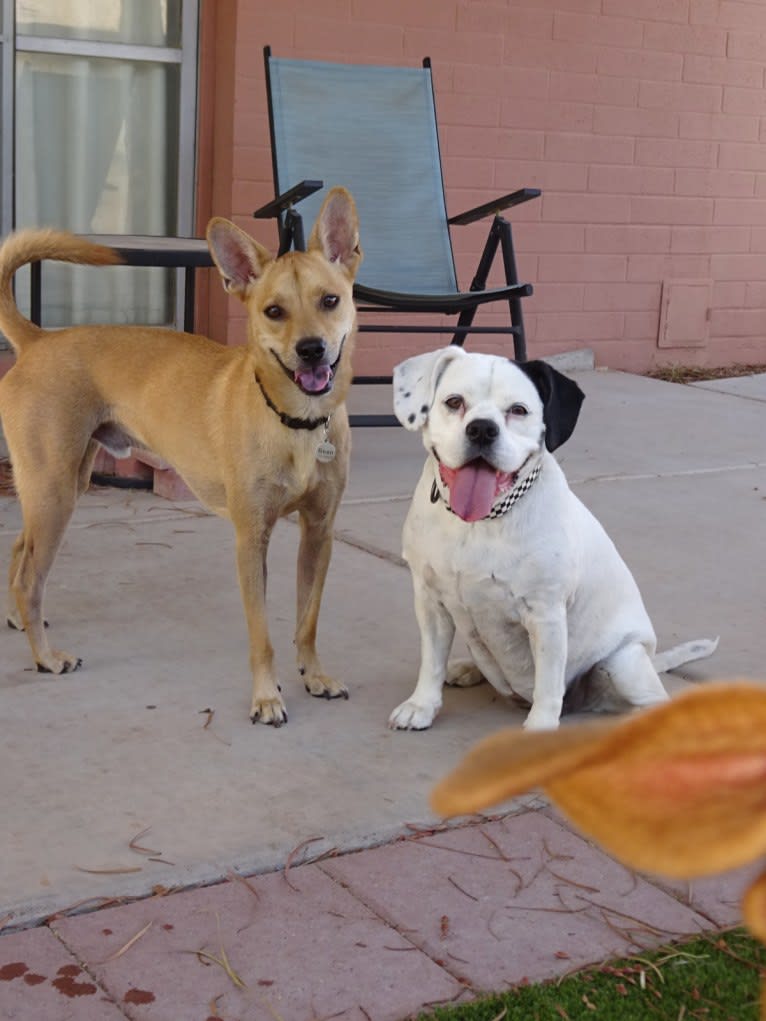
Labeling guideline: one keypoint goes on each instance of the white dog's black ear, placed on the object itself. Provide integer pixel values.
(415, 382)
(561, 398)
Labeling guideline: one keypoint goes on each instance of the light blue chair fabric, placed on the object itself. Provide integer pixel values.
(372, 130)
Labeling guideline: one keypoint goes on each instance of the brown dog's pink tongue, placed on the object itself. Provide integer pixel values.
(472, 489)
(314, 380)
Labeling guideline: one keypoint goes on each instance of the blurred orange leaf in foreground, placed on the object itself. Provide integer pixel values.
(678, 790)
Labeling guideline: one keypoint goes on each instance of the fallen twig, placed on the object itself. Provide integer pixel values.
(459, 887)
(571, 882)
(458, 850)
(231, 874)
(210, 713)
(494, 843)
(127, 946)
(117, 871)
(134, 846)
(291, 858)
(222, 962)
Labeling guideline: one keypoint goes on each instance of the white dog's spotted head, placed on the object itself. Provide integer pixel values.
(484, 418)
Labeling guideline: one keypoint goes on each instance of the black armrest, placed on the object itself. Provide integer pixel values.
(287, 199)
(495, 207)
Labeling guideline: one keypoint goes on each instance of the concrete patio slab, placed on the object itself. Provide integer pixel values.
(153, 730)
(142, 771)
(752, 388)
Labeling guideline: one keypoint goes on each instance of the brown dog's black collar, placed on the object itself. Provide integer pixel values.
(289, 420)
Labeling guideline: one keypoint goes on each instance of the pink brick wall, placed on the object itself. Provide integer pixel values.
(643, 122)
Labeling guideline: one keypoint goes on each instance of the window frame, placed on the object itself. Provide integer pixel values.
(185, 56)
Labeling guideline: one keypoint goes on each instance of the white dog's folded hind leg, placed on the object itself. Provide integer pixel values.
(687, 652)
(463, 673)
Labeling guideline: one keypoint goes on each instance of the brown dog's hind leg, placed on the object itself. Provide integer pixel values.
(47, 506)
(86, 467)
(12, 617)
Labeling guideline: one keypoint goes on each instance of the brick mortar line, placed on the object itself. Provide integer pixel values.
(86, 967)
(549, 812)
(688, 473)
(728, 393)
(367, 547)
(389, 922)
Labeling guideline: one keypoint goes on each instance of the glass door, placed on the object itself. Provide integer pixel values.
(105, 108)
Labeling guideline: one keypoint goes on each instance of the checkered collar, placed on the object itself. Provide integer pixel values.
(503, 503)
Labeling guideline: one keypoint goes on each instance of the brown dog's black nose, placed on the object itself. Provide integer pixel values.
(482, 431)
(311, 350)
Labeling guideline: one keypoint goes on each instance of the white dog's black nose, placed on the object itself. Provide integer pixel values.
(482, 431)
(311, 350)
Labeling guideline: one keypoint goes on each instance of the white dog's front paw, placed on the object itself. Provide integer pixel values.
(410, 715)
(541, 719)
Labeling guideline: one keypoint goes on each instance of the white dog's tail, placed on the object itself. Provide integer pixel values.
(687, 652)
(595, 691)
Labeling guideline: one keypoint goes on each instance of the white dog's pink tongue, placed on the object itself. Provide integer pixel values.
(472, 489)
(313, 380)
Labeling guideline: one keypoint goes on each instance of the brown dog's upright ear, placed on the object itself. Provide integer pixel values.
(240, 259)
(336, 232)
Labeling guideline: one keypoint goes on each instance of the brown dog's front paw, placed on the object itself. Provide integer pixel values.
(58, 663)
(268, 710)
(321, 686)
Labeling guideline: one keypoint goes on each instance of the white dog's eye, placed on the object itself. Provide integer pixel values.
(519, 410)
(454, 403)
(274, 312)
(330, 300)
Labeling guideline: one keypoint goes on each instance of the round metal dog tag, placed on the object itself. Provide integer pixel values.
(326, 451)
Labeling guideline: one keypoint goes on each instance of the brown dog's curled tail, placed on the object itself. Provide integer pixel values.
(33, 245)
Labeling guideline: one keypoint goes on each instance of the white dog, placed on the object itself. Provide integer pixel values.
(502, 551)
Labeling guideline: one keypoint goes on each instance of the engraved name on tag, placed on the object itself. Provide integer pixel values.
(326, 451)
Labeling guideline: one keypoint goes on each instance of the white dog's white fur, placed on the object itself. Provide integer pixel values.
(540, 594)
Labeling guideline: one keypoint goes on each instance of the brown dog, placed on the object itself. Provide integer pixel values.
(256, 431)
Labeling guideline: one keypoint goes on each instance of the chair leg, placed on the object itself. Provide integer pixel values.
(500, 234)
(512, 277)
(479, 282)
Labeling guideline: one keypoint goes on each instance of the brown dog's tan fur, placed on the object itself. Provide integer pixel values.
(200, 406)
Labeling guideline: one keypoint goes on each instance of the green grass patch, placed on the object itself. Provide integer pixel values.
(711, 978)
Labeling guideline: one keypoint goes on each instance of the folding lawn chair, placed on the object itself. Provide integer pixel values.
(373, 130)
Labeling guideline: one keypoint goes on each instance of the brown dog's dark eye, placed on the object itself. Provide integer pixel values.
(455, 402)
(519, 410)
(330, 300)
(274, 312)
